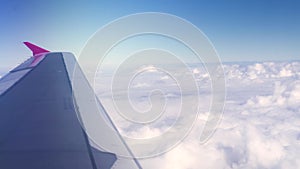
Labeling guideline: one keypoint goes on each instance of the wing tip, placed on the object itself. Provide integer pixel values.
(36, 50)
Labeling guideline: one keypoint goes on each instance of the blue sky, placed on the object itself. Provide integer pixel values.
(252, 30)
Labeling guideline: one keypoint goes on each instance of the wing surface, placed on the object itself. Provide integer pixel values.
(39, 127)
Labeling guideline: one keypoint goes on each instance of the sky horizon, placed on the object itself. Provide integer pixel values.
(239, 30)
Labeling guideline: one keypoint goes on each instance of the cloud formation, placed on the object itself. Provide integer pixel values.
(260, 127)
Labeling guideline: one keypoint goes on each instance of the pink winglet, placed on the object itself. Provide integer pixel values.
(36, 50)
(37, 53)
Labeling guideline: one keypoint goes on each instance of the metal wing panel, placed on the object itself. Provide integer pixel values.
(104, 130)
(38, 125)
(10, 79)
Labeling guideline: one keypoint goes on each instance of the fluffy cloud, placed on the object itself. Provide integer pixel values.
(260, 127)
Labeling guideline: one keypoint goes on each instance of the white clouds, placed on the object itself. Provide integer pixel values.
(196, 71)
(164, 77)
(285, 73)
(260, 126)
(285, 94)
(263, 151)
(294, 95)
(190, 155)
(140, 85)
(143, 132)
(262, 70)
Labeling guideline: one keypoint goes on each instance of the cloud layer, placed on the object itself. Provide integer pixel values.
(260, 127)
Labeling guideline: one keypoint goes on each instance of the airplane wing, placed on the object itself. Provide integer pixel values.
(39, 128)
